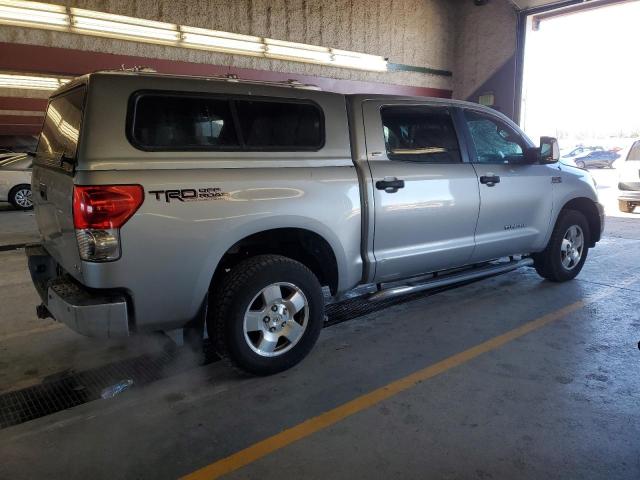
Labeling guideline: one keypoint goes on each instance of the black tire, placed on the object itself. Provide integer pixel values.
(548, 263)
(580, 164)
(625, 207)
(17, 201)
(231, 300)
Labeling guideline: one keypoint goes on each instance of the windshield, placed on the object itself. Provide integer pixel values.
(61, 128)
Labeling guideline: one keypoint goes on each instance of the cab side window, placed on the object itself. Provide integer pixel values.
(494, 140)
(420, 134)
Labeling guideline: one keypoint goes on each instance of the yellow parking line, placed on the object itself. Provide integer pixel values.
(326, 419)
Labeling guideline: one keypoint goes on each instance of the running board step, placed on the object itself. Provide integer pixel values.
(436, 282)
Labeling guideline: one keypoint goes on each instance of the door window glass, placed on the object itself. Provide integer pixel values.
(420, 134)
(494, 140)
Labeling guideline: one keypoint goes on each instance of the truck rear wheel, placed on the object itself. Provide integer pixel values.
(266, 315)
(567, 249)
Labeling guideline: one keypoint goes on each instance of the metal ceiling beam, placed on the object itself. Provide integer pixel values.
(569, 10)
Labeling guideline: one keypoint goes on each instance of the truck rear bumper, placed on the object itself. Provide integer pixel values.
(92, 313)
(629, 195)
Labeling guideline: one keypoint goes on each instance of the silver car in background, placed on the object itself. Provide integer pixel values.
(15, 181)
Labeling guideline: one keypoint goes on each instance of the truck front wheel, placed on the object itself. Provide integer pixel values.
(567, 249)
(266, 315)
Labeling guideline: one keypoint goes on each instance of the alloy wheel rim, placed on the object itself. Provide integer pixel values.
(276, 319)
(572, 247)
(23, 198)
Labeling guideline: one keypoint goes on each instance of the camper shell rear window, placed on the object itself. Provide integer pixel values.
(61, 127)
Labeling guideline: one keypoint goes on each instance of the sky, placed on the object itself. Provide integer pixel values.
(582, 75)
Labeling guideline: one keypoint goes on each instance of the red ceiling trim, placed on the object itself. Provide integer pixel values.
(21, 120)
(22, 103)
(20, 130)
(62, 61)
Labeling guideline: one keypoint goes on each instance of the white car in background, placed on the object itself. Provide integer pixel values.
(15, 181)
(629, 180)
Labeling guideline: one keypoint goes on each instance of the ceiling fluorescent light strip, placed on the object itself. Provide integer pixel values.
(298, 54)
(80, 12)
(89, 22)
(210, 42)
(26, 16)
(31, 82)
(122, 29)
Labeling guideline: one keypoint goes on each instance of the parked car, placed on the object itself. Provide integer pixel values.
(15, 181)
(579, 151)
(173, 204)
(629, 180)
(597, 159)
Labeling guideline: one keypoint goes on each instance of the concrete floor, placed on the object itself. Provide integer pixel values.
(16, 226)
(559, 402)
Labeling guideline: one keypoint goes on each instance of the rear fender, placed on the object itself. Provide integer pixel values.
(349, 272)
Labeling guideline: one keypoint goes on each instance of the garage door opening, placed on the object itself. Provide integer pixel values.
(580, 85)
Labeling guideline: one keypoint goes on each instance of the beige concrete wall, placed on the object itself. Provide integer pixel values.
(485, 41)
(415, 32)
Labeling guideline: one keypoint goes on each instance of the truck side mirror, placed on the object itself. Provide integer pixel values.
(532, 155)
(549, 150)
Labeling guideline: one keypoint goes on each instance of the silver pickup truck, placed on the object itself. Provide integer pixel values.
(182, 204)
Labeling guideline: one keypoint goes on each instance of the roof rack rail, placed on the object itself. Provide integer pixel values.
(229, 77)
(138, 68)
(134, 69)
(232, 77)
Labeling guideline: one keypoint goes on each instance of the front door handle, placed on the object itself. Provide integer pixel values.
(490, 180)
(390, 184)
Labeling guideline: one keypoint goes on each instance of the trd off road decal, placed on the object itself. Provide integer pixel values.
(190, 194)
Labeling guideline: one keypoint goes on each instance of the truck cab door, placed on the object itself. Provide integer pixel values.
(516, 198)
(425, 194)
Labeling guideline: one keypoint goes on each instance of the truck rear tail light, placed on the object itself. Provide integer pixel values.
(98, 213)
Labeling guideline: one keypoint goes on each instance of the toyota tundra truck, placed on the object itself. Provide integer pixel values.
(231, 208)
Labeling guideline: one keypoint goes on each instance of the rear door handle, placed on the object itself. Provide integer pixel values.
(490, 180)
(390, 185)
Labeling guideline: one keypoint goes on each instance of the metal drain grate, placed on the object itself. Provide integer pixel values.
(69, 391)
(12, 246)
(33, 402)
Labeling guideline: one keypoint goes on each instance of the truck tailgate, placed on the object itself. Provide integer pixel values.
(53, 177)
(53, 197)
